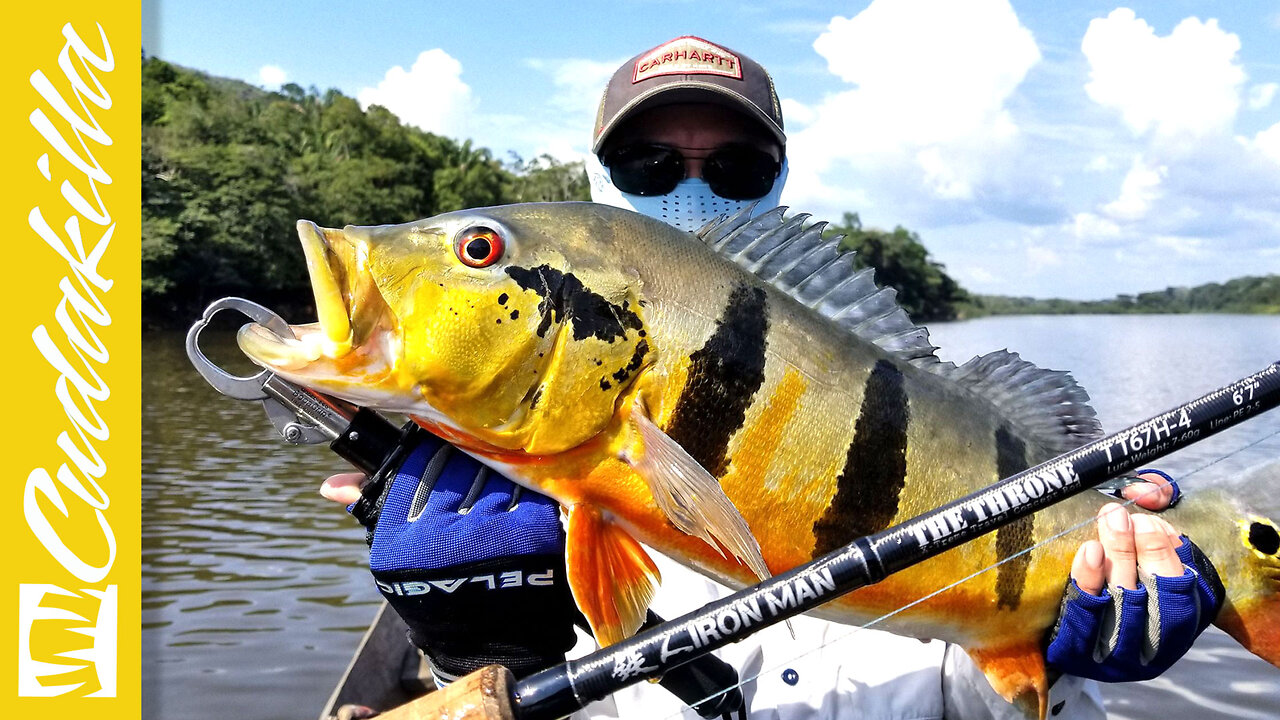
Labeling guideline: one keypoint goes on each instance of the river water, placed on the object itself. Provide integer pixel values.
(255, 592)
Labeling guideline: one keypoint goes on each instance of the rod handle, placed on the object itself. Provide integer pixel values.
(367, 441)
(483, 695)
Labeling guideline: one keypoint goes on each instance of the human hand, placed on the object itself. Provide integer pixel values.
(471, 562)
(343, 488)
(1150, 490)
(1138, 598)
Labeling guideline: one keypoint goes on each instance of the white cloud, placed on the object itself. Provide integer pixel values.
(1100, 163)
(1260, 96)
(915, 125)
(1141, 187)
(578, 82)
(1194, 189)
(272, 76)
(1184, 247)
(946, 181)
(1090, 228)
(797, 114)
(906, 98)
(1267, 142)
(1223, 190)
(433, 96)
(1094, 257)
(982, 275)
(565, 133)
(1208, 213)
(1187, 82)
(1040, 257)
(1163, 189)
(933, 128)
(430, 94)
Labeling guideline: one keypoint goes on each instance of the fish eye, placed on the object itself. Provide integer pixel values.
(479, 246)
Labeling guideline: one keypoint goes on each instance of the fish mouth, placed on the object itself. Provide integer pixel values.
(280, 353)
(326, 269)
(350, 310)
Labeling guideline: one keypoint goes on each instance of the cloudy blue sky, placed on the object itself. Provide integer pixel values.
(1047, 149)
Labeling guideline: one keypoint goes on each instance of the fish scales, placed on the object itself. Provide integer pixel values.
(939, 455)
(823, 447)
(662, 392)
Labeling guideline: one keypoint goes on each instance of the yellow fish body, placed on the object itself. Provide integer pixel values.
(742, 390)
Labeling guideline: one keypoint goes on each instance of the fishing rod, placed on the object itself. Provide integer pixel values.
(491, 693)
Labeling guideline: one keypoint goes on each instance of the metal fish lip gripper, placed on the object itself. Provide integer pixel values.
(303, 417)
(300, 416)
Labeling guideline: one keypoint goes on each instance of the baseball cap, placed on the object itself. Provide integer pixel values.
(688, 69)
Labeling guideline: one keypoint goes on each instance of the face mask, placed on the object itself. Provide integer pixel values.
(688, 207)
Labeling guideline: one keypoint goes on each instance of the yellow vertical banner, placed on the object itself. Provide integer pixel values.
(71, 359)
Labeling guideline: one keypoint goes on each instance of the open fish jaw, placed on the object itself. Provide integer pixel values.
(358, 377)
(332, 307)
(351, 351)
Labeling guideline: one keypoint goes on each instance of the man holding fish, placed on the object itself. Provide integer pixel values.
(688, 132)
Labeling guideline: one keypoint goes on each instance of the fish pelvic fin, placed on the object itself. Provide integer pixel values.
(1251, 613)
(611, 576)
(689, 496)
(1017, 673)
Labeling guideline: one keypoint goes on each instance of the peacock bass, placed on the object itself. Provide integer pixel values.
(740, 399)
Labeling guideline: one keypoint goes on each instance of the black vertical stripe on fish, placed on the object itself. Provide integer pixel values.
(875, 466)
(1011, 576)
(724, 375)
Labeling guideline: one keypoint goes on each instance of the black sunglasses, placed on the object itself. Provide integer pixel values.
(734, 172)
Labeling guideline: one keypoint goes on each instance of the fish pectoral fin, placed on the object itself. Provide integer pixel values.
(611, 576)
(1017, 674)
(691, 497)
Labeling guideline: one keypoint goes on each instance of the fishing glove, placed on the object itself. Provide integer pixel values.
(1127, 635)
(473, 563)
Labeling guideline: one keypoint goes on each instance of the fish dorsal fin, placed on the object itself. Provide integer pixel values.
(1045, 404)
(815, 271)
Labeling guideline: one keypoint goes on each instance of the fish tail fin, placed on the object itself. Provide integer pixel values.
(611, 576)
(1017, 673)
(1251, 613)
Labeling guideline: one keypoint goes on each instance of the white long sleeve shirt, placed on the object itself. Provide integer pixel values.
(836, 671)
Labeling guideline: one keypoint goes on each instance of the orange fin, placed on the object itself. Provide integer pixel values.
(612, 577)
(1255, 625)
(1017, 674)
